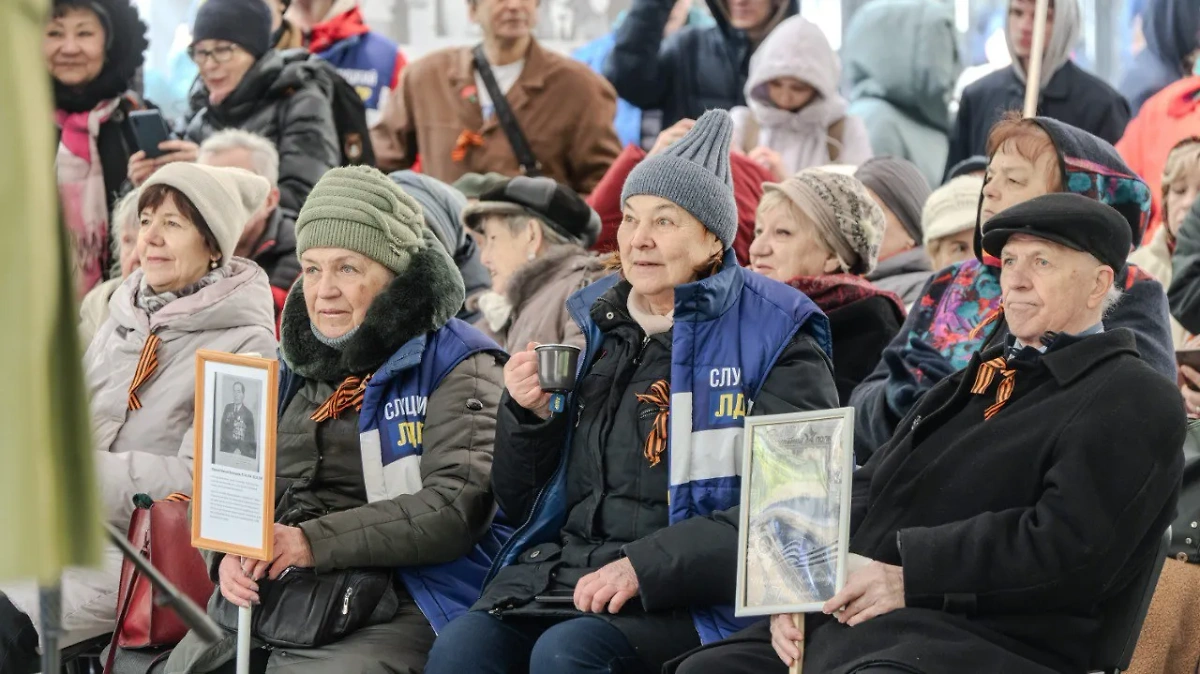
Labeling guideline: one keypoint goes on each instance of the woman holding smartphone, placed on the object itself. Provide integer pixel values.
(93, 50)
(246, 84)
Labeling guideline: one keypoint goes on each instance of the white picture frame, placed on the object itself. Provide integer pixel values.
(794, 524)
(233, 477)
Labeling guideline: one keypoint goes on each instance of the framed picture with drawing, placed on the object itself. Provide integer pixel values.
(233, 490)
(795, 511)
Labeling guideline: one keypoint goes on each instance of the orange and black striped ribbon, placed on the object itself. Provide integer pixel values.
(466, 140)
(659, 395)
(147, 364)
(348, 394)
(984, 378)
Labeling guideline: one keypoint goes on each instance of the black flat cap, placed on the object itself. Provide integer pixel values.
(557, 205)
(1072, 220)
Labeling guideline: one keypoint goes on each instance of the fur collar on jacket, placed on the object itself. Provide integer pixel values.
(422, 299)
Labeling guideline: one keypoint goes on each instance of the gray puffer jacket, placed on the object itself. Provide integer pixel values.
(286, 99)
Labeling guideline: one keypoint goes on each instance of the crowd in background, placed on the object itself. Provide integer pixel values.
(701, 187)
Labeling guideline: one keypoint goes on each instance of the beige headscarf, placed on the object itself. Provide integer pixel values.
(848, 222)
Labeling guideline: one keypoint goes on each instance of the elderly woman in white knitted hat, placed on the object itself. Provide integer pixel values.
(623, 564)
(190, 293)
(387, 418)
(820, 232)
(948, 221)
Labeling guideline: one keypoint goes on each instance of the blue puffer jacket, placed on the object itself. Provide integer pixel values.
(694, 70)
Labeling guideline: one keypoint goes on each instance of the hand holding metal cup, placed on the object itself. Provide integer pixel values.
(557, 365)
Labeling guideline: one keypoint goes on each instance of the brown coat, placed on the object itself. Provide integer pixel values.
(565, 110)
(538, 294)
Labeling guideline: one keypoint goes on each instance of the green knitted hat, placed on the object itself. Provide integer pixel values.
(359, 209)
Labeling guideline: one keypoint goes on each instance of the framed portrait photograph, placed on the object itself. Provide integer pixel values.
(795, 511)
(233, 490)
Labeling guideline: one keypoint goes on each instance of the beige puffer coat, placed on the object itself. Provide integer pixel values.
(150, 450)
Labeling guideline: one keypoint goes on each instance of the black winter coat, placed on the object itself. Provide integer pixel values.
(286, 99)
(861, 330)
(275, 251)
(1013, 532)
(696, 69)
(1073, 96)
(616, 500)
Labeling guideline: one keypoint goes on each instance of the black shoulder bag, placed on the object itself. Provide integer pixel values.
(530, 166)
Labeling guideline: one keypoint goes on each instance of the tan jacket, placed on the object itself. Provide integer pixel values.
(565, 110)
(537, 295)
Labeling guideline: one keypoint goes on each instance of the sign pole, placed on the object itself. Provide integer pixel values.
(1033, 74)
(243, 639)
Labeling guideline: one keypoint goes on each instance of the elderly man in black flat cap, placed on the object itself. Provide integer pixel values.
(1018, 497)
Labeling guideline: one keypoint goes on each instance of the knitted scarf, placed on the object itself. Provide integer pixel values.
(82, 191)
(149, 301)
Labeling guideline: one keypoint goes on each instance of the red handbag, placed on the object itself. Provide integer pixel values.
(163, 534)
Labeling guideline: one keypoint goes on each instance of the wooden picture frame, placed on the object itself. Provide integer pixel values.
(794, 526)
(233, 477)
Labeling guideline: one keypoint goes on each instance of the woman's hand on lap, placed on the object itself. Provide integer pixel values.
(291, 549)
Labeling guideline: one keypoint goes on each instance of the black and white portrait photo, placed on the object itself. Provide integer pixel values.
(237, 421)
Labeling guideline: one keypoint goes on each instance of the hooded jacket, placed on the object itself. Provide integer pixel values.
(441, 205)
(959, 311)
(797, 48)
(285, 99)
(900, 87)
(628, 121)
(694, 70)
(1068, 94)
(1167, 118)
(1170, 29)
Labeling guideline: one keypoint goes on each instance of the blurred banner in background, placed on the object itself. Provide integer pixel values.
(49, 513)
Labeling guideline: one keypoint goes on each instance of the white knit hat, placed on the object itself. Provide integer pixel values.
(225, 197)
(952, 208)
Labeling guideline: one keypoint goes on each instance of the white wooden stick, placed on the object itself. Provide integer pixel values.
(243, 639)
(1033, 73)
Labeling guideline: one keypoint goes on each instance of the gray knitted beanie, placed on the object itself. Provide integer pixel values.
(693, 172)
(902, 188)
(360, 209)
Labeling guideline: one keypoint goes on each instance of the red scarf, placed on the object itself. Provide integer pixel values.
(834, 291)
(340, 27)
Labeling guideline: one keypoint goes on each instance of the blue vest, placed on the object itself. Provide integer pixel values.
(730, 329)
(367, 62)
(391, 426)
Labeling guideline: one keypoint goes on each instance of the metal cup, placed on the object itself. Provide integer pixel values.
(557, 364)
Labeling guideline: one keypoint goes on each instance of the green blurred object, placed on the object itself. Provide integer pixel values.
(474, 185)
(47, 482)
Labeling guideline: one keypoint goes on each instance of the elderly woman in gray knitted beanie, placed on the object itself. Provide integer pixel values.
(820, 232)
(627, 554)
(387, 410)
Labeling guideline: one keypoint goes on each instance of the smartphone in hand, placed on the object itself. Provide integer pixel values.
(149, 129)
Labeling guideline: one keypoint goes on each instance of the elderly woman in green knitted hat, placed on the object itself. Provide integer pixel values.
(627, 557)
(386, 423)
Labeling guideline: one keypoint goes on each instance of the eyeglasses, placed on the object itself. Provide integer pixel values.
(220, 54)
